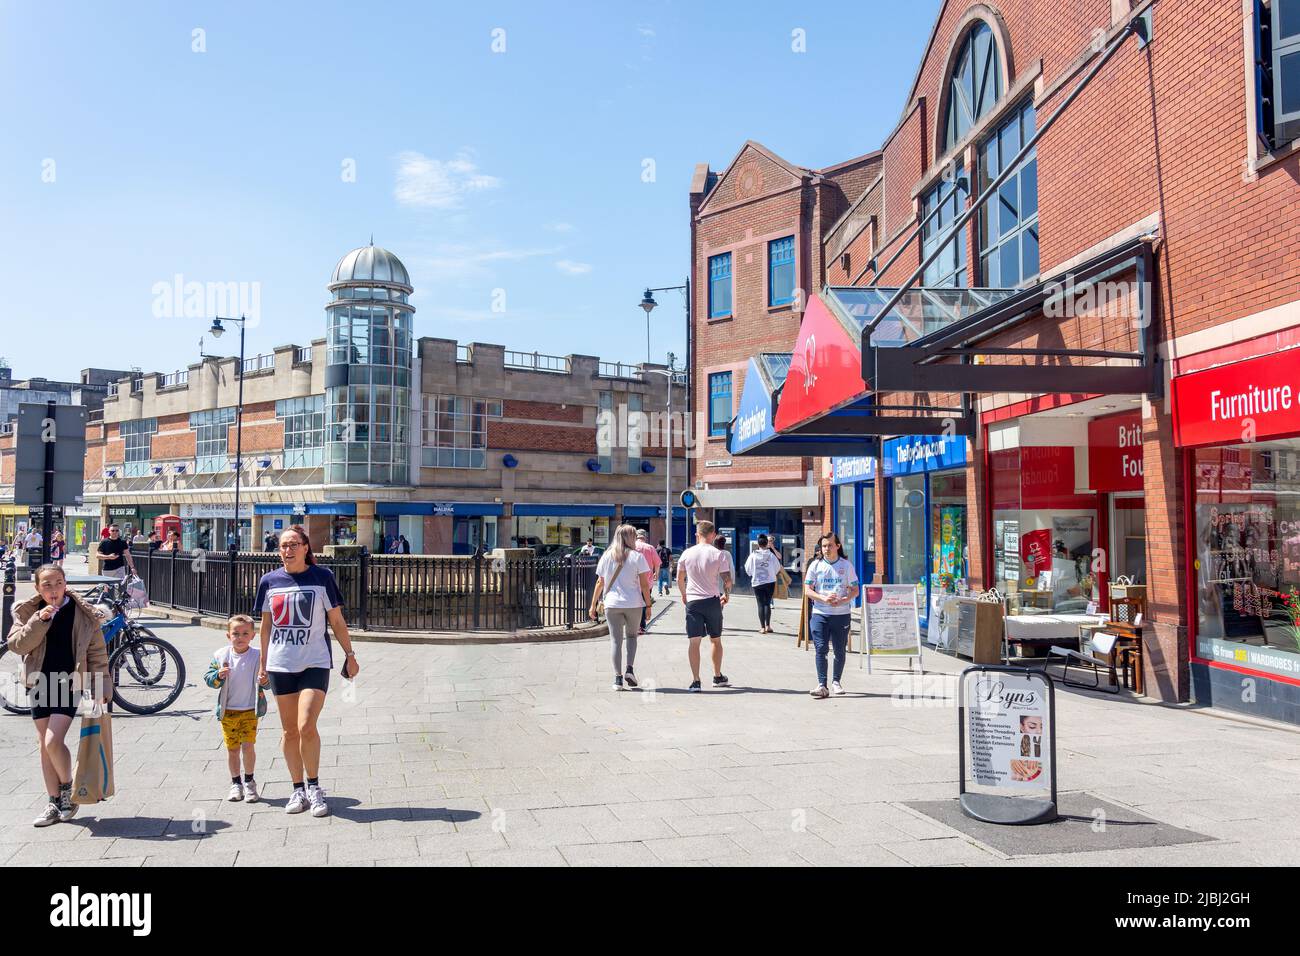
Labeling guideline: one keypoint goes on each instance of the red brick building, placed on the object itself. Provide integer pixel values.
(1134, 383)
(758, 233)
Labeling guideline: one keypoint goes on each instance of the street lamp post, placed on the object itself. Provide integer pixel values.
(217, 330)
(648, 303)
(668, 470)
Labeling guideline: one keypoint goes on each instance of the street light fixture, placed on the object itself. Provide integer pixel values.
(217, 331)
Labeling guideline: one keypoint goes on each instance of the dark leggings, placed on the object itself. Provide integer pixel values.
(764, 594)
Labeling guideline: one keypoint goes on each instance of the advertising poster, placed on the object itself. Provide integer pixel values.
(889, 620)
(1006, 724)
(948, 555)
(1036, 551)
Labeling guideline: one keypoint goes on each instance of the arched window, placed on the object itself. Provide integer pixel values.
(975, 85)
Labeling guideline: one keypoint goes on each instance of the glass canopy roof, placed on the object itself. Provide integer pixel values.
(920, 312)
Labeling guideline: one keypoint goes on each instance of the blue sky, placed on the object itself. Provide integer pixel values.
(128, 158)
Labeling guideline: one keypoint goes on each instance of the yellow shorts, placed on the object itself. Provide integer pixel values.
(239, 727)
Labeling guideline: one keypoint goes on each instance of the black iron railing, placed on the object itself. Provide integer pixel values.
(389, 592)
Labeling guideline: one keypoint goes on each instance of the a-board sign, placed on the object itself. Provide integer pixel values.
(1007, 736)
(889, 621)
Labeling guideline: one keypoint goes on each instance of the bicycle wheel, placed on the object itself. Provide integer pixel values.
(148, 673)
(14, 696)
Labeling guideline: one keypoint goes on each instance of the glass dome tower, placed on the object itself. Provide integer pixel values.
(368, 370)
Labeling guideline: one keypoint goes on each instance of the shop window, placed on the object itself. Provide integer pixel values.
(1008, 222)
(719, 403)
(720, 286)
(1277, 72)
(780, 271)
(975, 85)
(949, 269)
(606, 430)
(1247, 555)
(908, 540)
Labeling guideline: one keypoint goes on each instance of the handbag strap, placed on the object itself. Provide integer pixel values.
(617, 572)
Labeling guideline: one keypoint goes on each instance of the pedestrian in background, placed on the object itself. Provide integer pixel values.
(651, 556)
(831, 584)
(762, 566)
(665, 568)
(623, 578)
(58, 549)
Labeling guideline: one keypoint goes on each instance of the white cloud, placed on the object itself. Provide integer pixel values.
(436, 183)
(645, 31)
(569, 267)
(560, 226)
(450, 261)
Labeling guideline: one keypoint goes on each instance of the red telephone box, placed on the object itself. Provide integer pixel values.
(165, 525)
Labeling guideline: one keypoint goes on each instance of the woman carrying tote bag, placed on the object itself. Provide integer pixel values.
(623, 578)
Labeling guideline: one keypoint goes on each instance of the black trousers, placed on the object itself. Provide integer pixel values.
(763, 592)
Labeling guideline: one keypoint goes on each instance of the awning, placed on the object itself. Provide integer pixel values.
(824, 400)
(458, 509)
(650, 511)
(563, 511)
(933, 340)
(794, 496)
(305, 508)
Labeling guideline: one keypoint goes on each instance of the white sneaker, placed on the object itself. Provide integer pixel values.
(836, 689)
(49, 816)
(316, 796)
(67, 809)
(618, 683)
(250, 792)
(821, 692)
(236, 793)
(297, 801)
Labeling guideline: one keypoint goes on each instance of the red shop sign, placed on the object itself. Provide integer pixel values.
(1241, 402)
(825, 368)
(1115, 453)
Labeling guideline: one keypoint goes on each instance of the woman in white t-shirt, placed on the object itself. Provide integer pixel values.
(763, 566)
(623, 577)
(832, 584)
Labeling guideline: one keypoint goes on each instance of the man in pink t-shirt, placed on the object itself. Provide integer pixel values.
(703, 570)
(651, 556)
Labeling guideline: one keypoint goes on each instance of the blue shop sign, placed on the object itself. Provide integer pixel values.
(915, 454)
(754, 422)
(845, 471)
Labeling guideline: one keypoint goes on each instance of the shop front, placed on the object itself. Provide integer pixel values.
(1066, 511)
(327, 522)
(925, 497)
(853, 511)
(650, 519)
(560, 528)
(205, 527)
(438, 527)
(126, 517)
(12, 518)
(81, 527)
(1239, 427)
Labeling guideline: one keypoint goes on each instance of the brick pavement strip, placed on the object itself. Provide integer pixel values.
(521, 755)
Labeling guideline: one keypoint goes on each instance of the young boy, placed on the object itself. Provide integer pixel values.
(240, 702)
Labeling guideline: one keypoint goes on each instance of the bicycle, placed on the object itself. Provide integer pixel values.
(139, 661)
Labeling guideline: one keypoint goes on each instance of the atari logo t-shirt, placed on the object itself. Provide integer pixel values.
(298, 605)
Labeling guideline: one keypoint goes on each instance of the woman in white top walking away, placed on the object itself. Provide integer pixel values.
(623, 577)
(763, 566)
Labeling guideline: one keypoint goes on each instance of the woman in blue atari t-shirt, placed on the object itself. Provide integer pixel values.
(295, 602)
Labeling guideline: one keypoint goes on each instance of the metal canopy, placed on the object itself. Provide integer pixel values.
(896, 362)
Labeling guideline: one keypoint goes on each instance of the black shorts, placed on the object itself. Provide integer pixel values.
(704, 616)
(53, 695)
(313, 678)
(41, 713)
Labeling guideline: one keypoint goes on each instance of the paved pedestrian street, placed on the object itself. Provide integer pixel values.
(523, 755)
